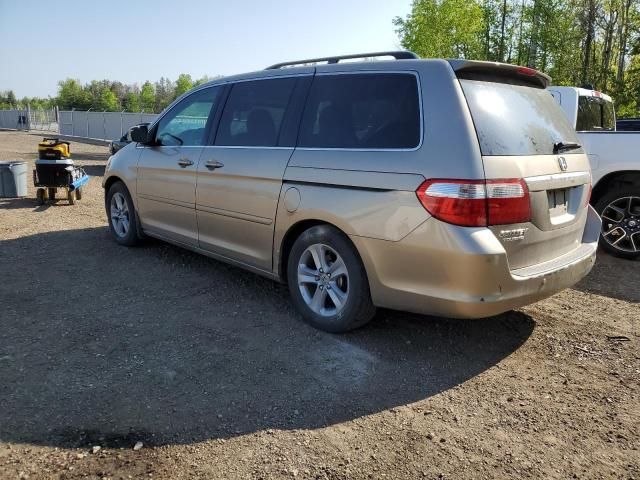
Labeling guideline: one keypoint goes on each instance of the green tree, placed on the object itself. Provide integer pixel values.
(131, 102)
(164, 93)
(108, 100)
(147, 97)
(443, 28)
(574, 41)
(183, 85)
(11, 98)
(72, 95)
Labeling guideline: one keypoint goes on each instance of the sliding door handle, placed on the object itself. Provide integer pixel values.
(212, 164)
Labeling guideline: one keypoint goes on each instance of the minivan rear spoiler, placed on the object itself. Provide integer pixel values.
(499, 72)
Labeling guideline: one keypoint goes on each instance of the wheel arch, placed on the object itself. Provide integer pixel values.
(110, 181)
(292, 234)
(622, 178)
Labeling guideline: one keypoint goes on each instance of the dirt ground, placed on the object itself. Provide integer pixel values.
(210, 368)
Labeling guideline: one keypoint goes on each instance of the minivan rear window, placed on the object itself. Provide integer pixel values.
(515, 119)
(365, 110)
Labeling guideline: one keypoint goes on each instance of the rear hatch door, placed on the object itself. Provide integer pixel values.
(523, 134)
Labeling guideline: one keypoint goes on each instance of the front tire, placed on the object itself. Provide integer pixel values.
(327, 281)
(121, 215)
(620, 212)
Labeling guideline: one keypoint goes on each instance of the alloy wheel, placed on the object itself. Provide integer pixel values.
(621, 224)
(119, 214)
(323, 280)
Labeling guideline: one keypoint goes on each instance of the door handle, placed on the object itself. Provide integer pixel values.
(212, 164)
(185, 162)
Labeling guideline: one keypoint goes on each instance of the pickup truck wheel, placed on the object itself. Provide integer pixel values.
(620, 212)
(327, 281)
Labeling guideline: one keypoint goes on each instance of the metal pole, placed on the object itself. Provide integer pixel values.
(88, 122)
(73, 126)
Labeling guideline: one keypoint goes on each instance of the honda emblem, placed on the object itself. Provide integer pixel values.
(563, 163)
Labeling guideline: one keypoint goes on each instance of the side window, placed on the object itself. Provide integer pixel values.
(254, 113)
(584, 120)
(608, 117)
(185, 123)
(362, 111)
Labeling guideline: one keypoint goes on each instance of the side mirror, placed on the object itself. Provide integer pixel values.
(140, 134)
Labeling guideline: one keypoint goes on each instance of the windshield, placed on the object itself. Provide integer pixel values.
(516, 120)
(594, 114)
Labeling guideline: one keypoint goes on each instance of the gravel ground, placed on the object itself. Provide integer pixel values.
(210, 368)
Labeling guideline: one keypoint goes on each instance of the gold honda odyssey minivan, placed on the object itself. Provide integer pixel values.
(446, 187)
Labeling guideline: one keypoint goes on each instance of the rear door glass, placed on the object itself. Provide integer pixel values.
(254, 113)
(515, 119)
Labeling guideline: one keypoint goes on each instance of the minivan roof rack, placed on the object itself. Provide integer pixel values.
(398, 55)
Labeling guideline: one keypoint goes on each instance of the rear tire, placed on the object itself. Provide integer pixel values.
(327, 281)
(79, 194)
(41, 196)
(620, 212)
(52, 193)
(121, 215)
(71, 197)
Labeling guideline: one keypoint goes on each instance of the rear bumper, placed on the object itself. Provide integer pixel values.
(442, 269)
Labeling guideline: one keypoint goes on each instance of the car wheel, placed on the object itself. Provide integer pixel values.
(71, 197)
(52, 193)
(121, 215)
(620, 212)
(78, 193)
(327, 281)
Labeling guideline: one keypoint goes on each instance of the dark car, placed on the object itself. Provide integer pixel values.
(628, 125)
(123, 142)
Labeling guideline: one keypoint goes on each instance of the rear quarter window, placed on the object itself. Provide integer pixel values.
(516, 119)
(362, 111)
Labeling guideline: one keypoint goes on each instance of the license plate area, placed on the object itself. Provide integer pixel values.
(559, 200)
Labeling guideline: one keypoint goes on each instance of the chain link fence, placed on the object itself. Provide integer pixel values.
(43, 120)
(100, 125)
(14, 119)
(74, 123)
(27, 119)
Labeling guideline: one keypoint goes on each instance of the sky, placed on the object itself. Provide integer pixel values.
(134, 41)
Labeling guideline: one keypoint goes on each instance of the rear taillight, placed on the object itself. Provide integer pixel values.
(476, 203)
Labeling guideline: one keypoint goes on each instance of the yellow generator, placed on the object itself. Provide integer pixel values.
(53, 149)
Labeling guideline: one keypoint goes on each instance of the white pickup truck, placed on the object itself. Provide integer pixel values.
(615, 165)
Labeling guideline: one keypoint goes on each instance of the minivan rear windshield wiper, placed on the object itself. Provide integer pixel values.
(562, 146)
